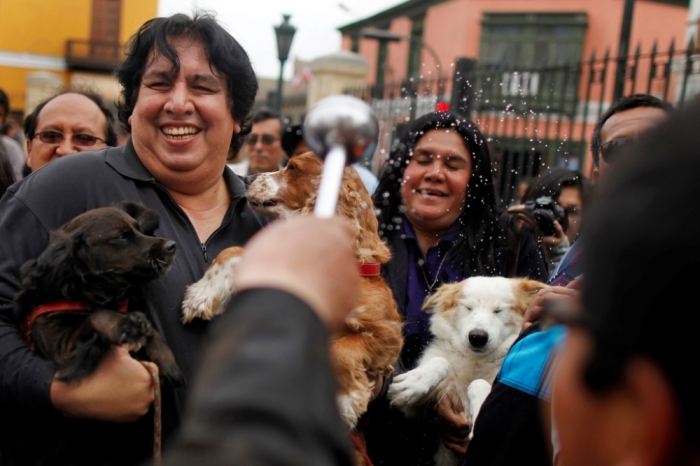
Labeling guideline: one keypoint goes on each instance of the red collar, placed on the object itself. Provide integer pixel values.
(68, 305)
(370, 269)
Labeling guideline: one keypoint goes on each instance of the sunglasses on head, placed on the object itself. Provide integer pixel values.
(265, 139)
(612, 149)
(53, 136)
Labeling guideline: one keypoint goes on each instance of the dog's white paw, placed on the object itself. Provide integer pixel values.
(207, 298)
(477, 392)
(417, 386)
(352, 406)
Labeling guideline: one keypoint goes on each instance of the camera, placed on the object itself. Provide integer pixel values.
(545, 211)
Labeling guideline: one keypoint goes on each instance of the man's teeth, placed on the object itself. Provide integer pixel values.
(180, 131)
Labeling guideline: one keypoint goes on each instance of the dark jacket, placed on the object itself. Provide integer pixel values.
(392, 438)
(265, 392)
(43, 202)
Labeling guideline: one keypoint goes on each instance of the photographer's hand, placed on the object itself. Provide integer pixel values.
(556, 239)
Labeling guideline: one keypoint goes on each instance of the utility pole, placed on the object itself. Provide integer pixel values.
(623, 49)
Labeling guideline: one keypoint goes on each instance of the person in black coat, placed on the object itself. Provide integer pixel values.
(188, 89)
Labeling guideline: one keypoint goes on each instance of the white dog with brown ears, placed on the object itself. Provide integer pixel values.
(474, 323)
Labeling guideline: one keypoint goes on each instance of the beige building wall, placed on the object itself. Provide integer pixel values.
(40, 85)
(334, 73)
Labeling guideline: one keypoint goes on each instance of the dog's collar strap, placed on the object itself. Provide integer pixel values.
(370, 269)
(58, 306)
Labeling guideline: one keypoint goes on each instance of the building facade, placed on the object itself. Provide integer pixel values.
(538, 72)
(47, 44)
(524, 32)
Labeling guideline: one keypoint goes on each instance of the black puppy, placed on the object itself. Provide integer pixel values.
(73, 299)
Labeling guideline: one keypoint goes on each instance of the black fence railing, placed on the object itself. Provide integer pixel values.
(536, 118)
(403, 100)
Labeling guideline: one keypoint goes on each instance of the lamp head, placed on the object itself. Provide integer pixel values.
(284, 33)
(342, 120)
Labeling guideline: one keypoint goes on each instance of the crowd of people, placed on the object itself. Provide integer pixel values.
(589, 380)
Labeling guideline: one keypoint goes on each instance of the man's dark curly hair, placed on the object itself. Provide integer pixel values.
(226, 56)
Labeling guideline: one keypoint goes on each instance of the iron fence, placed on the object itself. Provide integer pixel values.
(535, 118)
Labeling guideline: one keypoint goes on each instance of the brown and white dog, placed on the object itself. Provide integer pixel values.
(371, 342)
(474, 323)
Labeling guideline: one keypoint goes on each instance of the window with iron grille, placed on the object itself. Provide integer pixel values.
(531, 56)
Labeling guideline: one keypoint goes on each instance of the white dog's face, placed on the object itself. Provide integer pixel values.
(480, 314)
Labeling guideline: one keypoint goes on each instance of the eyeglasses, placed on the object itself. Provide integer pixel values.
(612, 149)
(52, 136)
(265, 139)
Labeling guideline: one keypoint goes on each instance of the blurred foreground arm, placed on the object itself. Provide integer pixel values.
(265, 392)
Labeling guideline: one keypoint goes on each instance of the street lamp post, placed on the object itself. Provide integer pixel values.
(285, 34)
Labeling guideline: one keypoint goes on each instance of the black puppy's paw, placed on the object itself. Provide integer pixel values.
(135, 330)
(170, 371)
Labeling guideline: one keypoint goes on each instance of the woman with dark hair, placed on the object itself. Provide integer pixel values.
(437, 212)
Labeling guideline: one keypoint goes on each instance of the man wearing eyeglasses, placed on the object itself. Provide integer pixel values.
(621, 125)
(509, 429)
(263, 146)
(65, 124)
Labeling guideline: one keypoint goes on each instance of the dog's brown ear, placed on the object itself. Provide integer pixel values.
(147, 219)
(530, 286)
(445, 297)
(525, 291)
(59, 265)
